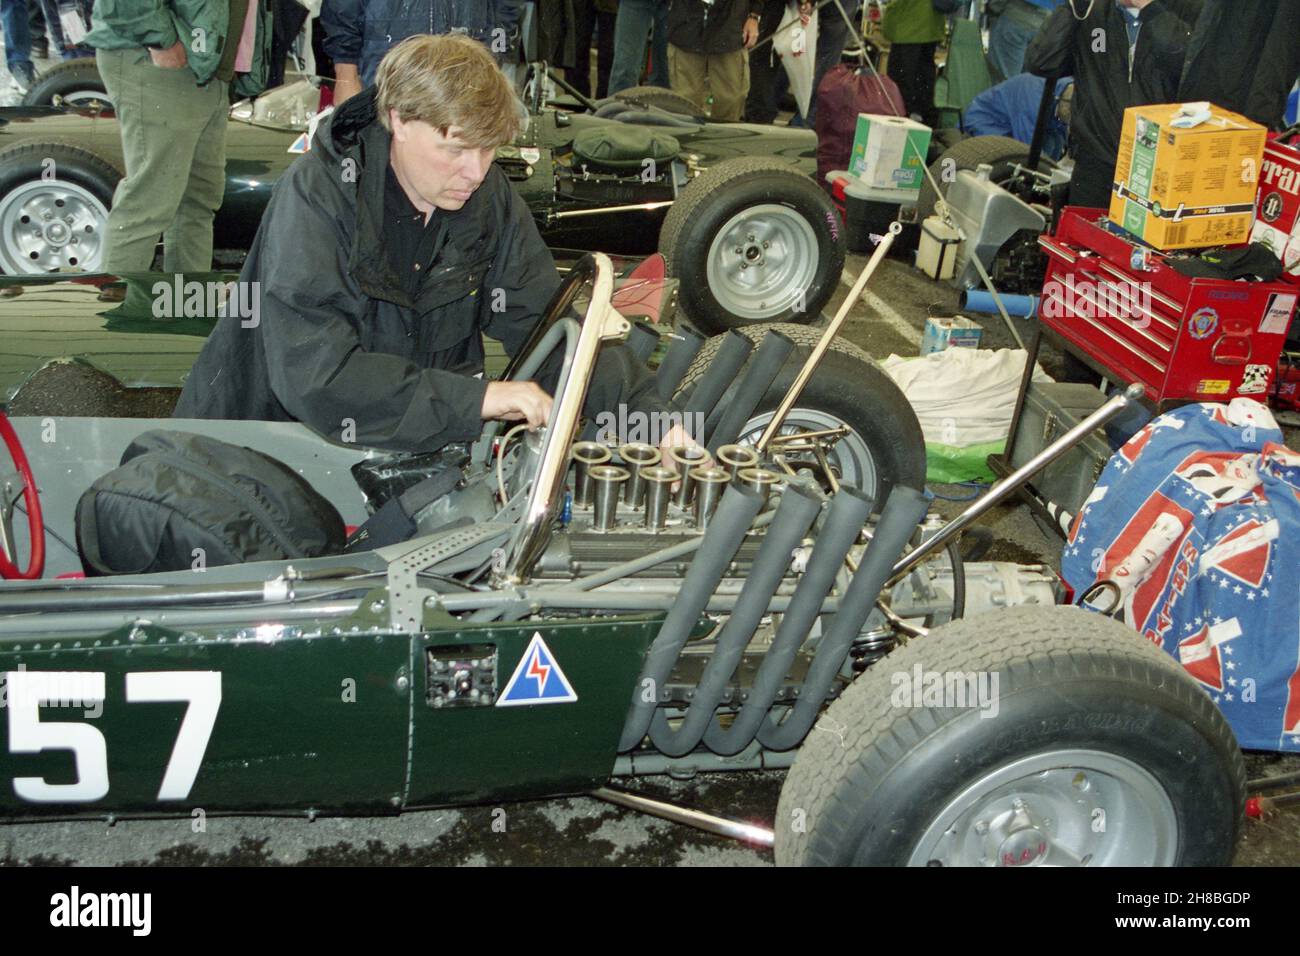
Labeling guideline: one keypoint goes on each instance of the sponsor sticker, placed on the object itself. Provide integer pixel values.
(1213, 386)
(1203, 323)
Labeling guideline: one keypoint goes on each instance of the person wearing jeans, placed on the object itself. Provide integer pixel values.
(639, 21)
(18, 43)
(1012, 31)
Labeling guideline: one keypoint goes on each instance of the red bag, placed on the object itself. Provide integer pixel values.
(844, 92)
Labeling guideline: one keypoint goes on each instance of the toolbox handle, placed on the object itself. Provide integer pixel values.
(1164, 300)
(1059, 251)
(1232, 359)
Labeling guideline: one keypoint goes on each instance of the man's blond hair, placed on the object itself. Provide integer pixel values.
(445, 81)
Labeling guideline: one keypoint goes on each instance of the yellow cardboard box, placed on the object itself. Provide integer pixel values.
(1184, 188)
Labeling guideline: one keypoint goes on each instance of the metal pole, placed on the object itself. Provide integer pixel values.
(1012, 482)
(815, 357)
(721, 826)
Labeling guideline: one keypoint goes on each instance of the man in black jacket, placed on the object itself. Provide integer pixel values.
(384, 254)
(1121, 53)
(707, 40)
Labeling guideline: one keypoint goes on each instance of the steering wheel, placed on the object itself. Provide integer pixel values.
(35, 521)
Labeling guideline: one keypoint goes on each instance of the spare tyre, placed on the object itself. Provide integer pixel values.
(752, 240)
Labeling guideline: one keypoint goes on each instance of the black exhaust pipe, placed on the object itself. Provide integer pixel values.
(731, 523)
(769, 359)
(681, 353)
(794, 516)
(903, 512)
(847, 515)
(642, 339)
(722, 371)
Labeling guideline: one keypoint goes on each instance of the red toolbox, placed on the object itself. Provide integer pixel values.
(1185, 339)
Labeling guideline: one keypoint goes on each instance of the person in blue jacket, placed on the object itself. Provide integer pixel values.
(1011, 109)
(359, 32)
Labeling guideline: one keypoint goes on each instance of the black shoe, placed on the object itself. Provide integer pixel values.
(40, 48)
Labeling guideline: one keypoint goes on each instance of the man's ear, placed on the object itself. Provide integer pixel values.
(397, 125)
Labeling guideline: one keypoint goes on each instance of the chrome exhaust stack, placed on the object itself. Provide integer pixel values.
(607, 480)
(586, 455)
(637, 456)
(658, 493)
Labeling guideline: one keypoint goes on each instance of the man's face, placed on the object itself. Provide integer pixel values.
(437, 171)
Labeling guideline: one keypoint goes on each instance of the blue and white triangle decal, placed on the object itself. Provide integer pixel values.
(300, 145)
(538, 679)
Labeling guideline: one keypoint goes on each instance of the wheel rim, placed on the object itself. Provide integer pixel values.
(850, 456)
(1061, 808)
(47, 226)
(83, 98)
(762, 262)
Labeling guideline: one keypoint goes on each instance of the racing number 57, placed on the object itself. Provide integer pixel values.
(28, 734)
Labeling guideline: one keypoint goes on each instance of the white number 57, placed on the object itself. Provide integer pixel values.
(28, 691)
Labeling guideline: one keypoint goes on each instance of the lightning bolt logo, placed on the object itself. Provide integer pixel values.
(539, 671)
(538, 678)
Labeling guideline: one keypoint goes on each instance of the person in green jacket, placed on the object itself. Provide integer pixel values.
(914, 29)
(170, 68)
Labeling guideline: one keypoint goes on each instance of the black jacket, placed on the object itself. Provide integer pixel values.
(1245, 55)
(1105, 82)
(340, 346)
(712, 28)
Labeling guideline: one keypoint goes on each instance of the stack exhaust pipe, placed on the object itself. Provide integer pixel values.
(681, 353)
(684, 459)
(586, 455)
(658, 492)
(709, 484)
(722, 371)
(904, 510)
(769, 358)
(846, 515)
(735, 514)
(606, 481)
(794, 516)
(642, 340)
(637, 456)
(736, 457)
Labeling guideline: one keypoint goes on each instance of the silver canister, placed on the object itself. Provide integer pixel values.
(733, 458)
(760, 479)
(586, 454)
(683, 458)
(658, 491)
(637, 456)
(710, 482)
(605, 482)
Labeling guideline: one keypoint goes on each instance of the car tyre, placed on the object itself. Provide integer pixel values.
(886, 447)
(65, 182)
(760, 214)
(70, 83)
(658, 96)
(1115, 756)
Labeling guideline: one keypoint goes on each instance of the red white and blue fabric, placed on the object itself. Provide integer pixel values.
(1196, 520)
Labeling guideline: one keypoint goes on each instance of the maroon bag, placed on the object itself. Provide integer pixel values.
(844, 92)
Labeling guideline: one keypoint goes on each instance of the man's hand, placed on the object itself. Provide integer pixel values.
(172, 58)
(517, 401)
(750, 33)
(347, 82)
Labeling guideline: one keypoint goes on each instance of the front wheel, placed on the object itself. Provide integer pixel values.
(1032, 736)
(752, 240)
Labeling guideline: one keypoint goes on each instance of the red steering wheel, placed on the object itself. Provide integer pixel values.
(35, 522)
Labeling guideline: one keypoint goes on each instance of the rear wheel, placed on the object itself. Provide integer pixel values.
(54, 202)
(752, 240)
(1097, 749)
(883, 446)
